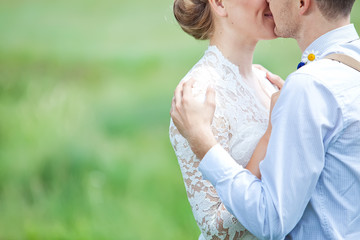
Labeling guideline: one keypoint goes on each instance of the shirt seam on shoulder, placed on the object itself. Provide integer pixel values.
(338, 99)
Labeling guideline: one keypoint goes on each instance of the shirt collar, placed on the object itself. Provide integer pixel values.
(322, 46)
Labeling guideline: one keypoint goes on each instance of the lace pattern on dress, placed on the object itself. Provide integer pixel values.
(239, 122)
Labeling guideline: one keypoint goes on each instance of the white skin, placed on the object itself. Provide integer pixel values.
(298, 19)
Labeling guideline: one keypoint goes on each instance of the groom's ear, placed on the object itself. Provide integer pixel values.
(218, 7)
(304, 6)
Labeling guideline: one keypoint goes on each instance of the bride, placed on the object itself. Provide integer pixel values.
(233, 28)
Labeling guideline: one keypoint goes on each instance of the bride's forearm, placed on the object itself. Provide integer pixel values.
(259, 154)
(260, 150)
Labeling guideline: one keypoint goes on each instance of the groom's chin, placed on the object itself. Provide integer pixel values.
(278, 33)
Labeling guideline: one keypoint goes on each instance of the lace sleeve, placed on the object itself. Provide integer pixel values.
(214, 221)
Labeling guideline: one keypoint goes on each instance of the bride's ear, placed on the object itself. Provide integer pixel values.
(218, 7)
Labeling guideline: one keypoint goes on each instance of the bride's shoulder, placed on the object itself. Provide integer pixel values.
(201, 73)
(206, 70)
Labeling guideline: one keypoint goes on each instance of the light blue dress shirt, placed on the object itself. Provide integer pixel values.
(310, 186)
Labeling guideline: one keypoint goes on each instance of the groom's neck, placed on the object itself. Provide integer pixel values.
(316, 26)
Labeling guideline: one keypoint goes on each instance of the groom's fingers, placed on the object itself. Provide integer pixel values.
(275, 79)
(173, 112)
(187, 88)
(172, 106)
(260, 67)
(178, 94)
(210, 96)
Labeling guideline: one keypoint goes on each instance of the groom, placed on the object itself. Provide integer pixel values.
(310, 185)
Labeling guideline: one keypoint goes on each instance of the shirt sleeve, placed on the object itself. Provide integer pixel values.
(305, 121)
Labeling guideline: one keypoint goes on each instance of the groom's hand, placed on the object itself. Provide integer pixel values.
(273, 78)
(193, 118)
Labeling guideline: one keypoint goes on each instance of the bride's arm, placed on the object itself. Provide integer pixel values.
(260, 150)
(214, 221)
(259, 154)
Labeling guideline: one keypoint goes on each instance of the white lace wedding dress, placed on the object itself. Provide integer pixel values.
(239, 122)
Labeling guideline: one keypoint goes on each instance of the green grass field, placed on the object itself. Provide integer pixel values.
(85, 92)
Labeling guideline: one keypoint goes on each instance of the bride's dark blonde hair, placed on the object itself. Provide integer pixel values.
(194, 17)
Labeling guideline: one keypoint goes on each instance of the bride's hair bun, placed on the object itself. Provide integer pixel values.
(194, 17)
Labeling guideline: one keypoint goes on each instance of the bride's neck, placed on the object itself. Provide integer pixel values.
(238, 50)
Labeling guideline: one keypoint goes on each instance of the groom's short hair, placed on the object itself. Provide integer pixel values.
(335, 8)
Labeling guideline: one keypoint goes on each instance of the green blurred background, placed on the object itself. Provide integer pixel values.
(85, 92)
